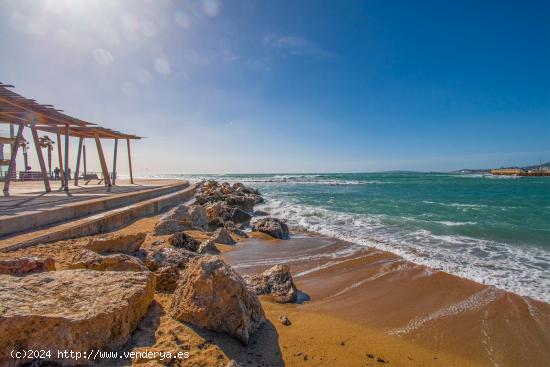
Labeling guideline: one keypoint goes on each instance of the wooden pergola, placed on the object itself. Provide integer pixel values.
(24, 112)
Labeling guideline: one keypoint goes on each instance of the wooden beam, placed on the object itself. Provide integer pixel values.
(79, 153)
(11, 168)
(41, 159)
(130, 161)
(60, 159)
(84, 159)
(66, 170)
(114, 162)
(106, 177)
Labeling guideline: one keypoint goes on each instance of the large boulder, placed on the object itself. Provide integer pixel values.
(167, 256)
(276, 281)
(234, 230)
(167, 264)
(180, 212)
(216, 210)
(183, 240)
(208, 247)
(272, 226)
(212, 295)
(240, 201)
(124, 243)
(198, 216)
(26, 265)
(91, 260)
(77, 310)
(221, 235)
(169, 226)
(238, 215)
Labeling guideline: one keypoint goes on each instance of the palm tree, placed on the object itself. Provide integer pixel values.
(24, 144)
(46, 142)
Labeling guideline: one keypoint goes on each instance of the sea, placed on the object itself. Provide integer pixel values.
(491, 229)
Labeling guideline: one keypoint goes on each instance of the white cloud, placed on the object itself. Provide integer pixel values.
(103, 56)
(211, 7)
(143, 76)
(162, 66)
(295, 45)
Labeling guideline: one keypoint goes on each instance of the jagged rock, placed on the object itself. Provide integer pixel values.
(91, 260)
(170, 226)
(124, 243)
(175, 257)
(284, 320)
(208, 247)
(272, 226)
(198, 216)
(238, 215)
(183, 240)
(232, 363)
(260, 213)
(212, 295)
(180, 212)
(276, 281)
(243, 202)
(167, 278)
(233, 229)
(221, 235)
(26, 265)
(78, 310)
(216, 210)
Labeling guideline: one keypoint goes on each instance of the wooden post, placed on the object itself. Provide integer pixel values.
(66, 171)
(40, 159)
(130, 161)
(114, 161)
(103, 162)
(60, 158)
(80, 141)
(84, 158)
(11, 167)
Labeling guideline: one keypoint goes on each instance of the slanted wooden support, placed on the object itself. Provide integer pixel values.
(130, 161)
(66, 171)
(80, 142)
(11, 168)
(40, 159)
(114, 162)
(84, 159)
(60, 159)
(103, 162)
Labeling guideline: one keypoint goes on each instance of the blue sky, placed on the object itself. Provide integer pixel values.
(293, 86)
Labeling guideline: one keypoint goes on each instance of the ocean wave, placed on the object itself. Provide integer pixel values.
(521, 269)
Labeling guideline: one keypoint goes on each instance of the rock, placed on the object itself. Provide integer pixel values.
(208, 247)
(238, 215)
(26, 265)
(260, 213)
(233, 229)
(276, 281)
(124, 243)
(284, 320)
(174, 257)
(216, 210)
(212, 295)
(91, 260)
(243, 202)
(232, 363)
(167, 278)
(198, 216)
(180, 213)
(221, 235)
(170, 226)
(78, 310)
(183, 240)
(272, 226)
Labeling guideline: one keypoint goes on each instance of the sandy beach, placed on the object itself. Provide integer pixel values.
(356, 306)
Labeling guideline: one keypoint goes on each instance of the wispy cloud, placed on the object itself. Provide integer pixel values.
(296, 45)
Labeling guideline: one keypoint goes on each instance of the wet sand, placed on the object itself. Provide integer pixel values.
(380, 299)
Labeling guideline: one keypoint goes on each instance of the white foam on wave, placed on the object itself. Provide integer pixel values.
(521, 269)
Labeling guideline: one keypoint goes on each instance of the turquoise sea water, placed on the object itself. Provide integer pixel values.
(495, 230)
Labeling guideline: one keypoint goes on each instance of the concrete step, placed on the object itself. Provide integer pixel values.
(99, 223)
(46, 214)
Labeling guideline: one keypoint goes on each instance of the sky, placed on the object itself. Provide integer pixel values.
(291, 86)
